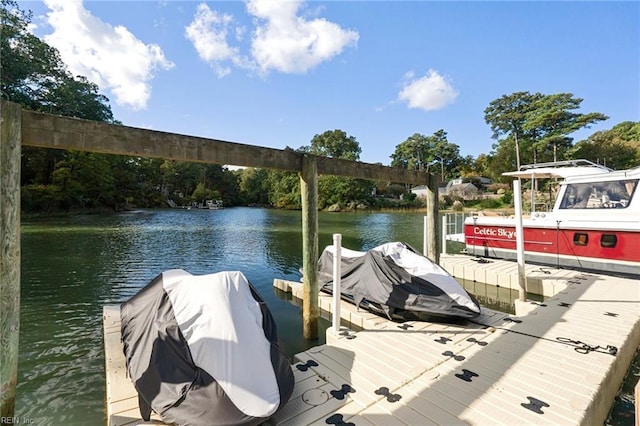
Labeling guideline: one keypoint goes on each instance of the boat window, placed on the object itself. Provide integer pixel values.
(580, 239)
(608, 240)
(599, 195)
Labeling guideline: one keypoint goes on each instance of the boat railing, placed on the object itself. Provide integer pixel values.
(565, 163)
(453, 228)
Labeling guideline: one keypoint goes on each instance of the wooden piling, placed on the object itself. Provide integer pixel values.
(309, 194)
(432, 219)
(10, 139)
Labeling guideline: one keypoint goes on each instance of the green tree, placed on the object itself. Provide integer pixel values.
(284, 189)
(429, 153)
(254, 186)
(508, 117)
(552, 119)
(34, 76)
(412, 154)
(618, 148)
(335, 144)
(338, 189)
(535, 123)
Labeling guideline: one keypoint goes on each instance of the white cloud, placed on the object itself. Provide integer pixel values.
(112, 57)
(288, 43)
(281, 40)
(208, 34)
(431, 92)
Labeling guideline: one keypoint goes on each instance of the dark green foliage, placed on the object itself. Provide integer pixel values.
(618, 148)
(434, 154)
(533, 128)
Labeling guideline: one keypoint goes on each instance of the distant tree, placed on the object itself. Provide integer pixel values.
(413, 153)
(34, 75)
(552, 118)
(508, 117)
(420, 152)
(536, 122)
(254, 187)
(337, 189)
(501, 159)
(284, 189)
(618, 148)
(336, 144)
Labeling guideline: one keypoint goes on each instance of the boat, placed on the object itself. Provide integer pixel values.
(594, 224)
(396, 281)
(214, 204)
(203, 350)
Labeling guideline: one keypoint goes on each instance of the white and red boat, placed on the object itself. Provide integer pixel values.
(594, 223)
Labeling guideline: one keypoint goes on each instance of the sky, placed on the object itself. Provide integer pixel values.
(274, 73)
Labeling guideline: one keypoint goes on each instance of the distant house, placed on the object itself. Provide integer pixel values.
(455, 187)
(463, 190)
(420, 191)
(481, 181)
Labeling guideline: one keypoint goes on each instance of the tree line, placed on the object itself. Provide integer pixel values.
(527, 128)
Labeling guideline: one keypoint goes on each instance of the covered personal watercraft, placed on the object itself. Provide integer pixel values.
(394, 280)
(203, 350)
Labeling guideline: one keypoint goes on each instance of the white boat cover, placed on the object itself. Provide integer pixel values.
(203, 350)
(398, 281)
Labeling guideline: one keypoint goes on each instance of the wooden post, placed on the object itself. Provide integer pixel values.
(10, 136)
(432, 219)
(309, 193)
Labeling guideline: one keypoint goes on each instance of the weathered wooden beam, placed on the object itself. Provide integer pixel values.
(309, 193)
(9, 254)
(355, 169)
(52, 131)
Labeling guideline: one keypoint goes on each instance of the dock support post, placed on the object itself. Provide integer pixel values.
(309, 193)
(337, 285)
(522, 278)
(432, 219)
(10, 140)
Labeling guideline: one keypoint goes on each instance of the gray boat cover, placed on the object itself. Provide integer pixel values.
(395, 280)
(203, 350)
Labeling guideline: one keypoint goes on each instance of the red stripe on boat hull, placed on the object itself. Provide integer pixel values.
(553, 242)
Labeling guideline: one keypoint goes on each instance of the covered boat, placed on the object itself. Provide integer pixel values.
(203, 350)
(395, 280)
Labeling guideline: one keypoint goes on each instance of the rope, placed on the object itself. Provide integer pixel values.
(579, 346)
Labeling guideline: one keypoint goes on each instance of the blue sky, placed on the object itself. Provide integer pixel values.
(275, 73)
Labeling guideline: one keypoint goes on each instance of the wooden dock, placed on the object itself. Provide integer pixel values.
(562, 363)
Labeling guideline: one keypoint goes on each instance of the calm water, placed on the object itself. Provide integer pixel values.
(73, 266)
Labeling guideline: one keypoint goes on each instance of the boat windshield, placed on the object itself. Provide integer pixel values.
(599, 195)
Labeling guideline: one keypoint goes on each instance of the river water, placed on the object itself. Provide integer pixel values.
(73, 266)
